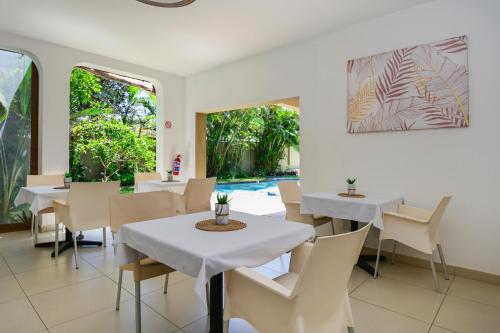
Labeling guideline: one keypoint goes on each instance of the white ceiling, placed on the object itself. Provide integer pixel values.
(185, 40)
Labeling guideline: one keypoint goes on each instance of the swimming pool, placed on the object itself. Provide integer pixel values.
(255, 186)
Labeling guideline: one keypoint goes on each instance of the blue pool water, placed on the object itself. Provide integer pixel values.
(263, 185)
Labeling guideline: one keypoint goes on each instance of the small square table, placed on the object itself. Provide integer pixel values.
(369, 208)
(174, 241)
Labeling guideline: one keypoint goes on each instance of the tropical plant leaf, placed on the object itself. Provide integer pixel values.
(88, 113)
(452, 45)
(446, 87)
(393, 81)
(360, 106)
(3, 108)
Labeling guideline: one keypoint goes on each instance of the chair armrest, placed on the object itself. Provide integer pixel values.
(405, 217)
(61, 202)
(300, 254)
(264, 282)
(415, 212)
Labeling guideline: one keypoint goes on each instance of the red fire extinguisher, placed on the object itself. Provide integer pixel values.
(177, 165)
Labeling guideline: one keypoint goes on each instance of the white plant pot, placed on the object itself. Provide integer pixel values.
(351, 189)
(67, 181)
(170, 176)
(221, 213)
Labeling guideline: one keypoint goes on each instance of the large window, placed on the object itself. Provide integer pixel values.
(113, 126)
(18, 144)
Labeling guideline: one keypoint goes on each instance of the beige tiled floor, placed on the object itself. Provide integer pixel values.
(40, 294)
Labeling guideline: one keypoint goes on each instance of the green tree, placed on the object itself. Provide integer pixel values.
(281, 130)
(229, 135)
(85, 88)
(107, 149)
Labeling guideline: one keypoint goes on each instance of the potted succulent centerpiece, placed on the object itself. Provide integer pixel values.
(222, 208)
(67, 179)
(170, 175)
(351, 186)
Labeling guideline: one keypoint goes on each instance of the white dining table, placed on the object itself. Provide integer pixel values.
(174, 241)
(160, 185)
(42, 197)
(39, 198)
(367, 209)
(370, 208)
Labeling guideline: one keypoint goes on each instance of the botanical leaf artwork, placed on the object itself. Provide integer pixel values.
(419, 87)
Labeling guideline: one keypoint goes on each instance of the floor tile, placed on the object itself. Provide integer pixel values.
(481, 292)
(416, 302)
(68, 303)
(4, 269)
(181, 305)
(369, 318)
(39, 258)
(19, 317)
(436, 329)
(123, 321)
(417, 276)
(235, 326)
(10, 289)
(358, 276)
(466, 316)
(49, 278)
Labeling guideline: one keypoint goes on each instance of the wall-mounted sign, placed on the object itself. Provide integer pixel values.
(168, 124)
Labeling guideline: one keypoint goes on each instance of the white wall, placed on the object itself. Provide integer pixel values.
(55, 64)
(421, 165)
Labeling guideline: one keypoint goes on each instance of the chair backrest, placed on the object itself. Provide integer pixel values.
(437, 215)
(44, 180)
(142, 176)
(290, 191)
(136, 207)
(198, 193)
(89, 204)
(322, 282)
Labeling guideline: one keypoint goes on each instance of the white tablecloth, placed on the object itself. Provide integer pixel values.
(177, 243)
(355, 209)
(159, 185)
(39, 197)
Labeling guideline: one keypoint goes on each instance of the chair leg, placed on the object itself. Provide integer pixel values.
(56, 243)
(207, 292)
(375, 274)
(350, 329)
(443, 262)
(32, 224)
(333, 229)
(119, 291)
(165, 287)
(104, 237)
(75, 245)
(35, 238)
(225, 327)
(138, 307)
(434, 275)
(393, 251)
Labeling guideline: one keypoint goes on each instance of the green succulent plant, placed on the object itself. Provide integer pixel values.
(67, 175)
(223, 198)
(350, 180)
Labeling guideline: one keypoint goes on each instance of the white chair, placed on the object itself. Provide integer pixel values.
(291, 196)
(196, 197)
(42, 180)
(144, 176)
(87, 208)
(418, 229)
(312, 297)
(137, 207)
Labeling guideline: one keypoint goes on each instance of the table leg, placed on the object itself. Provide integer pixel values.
(363, 259)
(216, 300)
